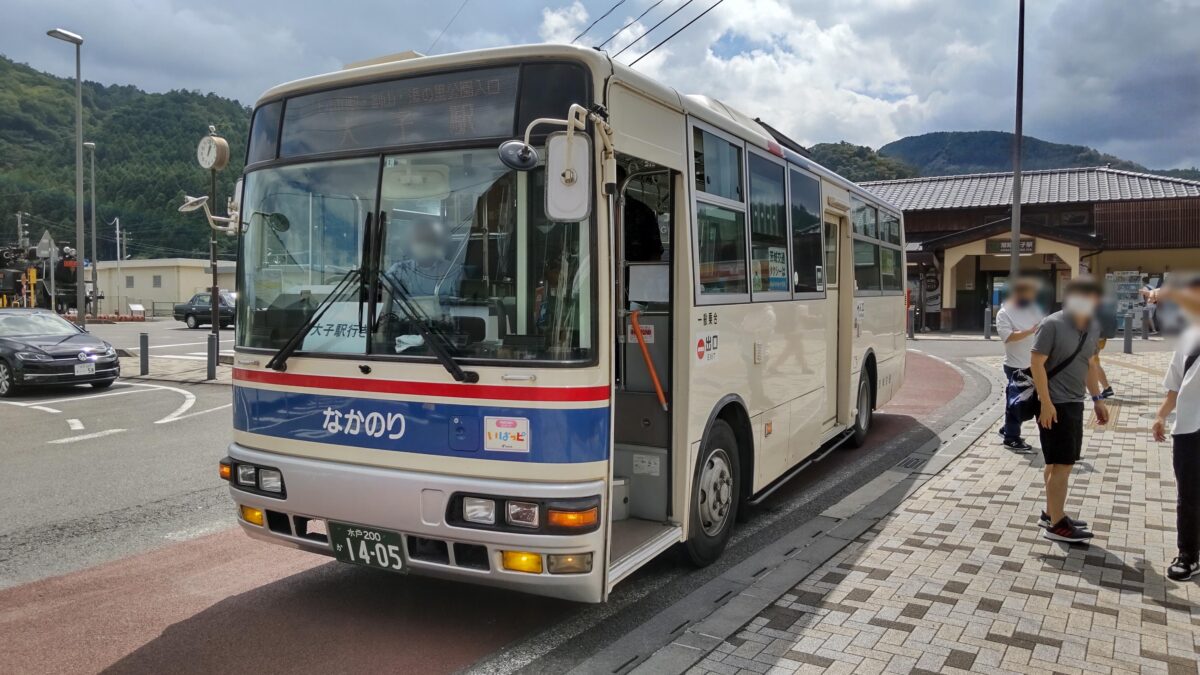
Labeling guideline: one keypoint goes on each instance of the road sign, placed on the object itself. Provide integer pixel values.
(45, 245)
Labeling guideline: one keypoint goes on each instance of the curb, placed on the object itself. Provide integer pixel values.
(697, 624)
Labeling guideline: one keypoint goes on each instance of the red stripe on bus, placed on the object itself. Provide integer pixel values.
(473, 391)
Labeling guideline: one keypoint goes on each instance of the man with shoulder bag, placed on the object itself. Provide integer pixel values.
(1065, 371)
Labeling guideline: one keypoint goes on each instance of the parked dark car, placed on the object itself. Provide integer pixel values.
(198, 311)
(39, 347)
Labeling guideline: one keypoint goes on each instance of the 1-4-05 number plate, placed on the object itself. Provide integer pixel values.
(368, 546)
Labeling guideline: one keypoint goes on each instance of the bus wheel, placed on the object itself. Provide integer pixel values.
(715, 494)
(864, 415)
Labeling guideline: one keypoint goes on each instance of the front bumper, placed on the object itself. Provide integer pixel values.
(62, 371)
(414, 505)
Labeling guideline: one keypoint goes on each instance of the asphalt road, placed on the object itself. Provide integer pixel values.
(168, 339)
(172, 598)
(93, 475)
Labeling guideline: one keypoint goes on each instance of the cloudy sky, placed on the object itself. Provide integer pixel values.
(1118, 75)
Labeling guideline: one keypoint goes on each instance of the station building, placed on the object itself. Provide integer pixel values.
(156, 284)
(1092, 220)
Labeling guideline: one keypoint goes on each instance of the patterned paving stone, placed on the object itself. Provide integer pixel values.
(960, 579)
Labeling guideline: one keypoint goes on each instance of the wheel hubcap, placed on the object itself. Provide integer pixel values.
(715, 492)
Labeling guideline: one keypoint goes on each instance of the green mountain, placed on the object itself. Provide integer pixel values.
(959, 152)
(860, 163)
(145, 160)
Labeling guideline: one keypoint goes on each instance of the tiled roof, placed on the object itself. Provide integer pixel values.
(1056, 186)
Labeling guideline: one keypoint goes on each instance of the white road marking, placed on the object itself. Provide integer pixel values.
(86, 437)
(87, 398)
(75, 425)
(189, 400)
(44, 409)
(200, 412)
(180, 344)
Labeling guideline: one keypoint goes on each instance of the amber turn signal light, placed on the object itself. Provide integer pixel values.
(225, 470)
(573, 519)
(252, 515)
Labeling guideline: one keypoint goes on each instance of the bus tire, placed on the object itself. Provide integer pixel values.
(715, 496)
(863, 414)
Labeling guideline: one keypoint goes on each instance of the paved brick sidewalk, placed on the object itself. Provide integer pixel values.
(959, 578)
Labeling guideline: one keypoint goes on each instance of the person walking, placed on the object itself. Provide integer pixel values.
(1182, 383)
(1064, 370)
(1151, 303)
(1016, 323)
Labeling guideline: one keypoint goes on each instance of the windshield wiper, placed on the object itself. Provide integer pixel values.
(435, 341)
(279, 361)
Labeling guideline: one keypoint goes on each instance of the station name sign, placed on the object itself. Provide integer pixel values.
(1004, 246)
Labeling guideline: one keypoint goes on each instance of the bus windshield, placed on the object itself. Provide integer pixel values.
(463, 236)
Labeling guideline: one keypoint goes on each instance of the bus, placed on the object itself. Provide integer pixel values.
(525, 317)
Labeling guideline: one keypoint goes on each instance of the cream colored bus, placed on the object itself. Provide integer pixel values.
(525, 317)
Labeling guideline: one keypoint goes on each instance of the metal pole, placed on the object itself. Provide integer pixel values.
(95, 251)
(144, 353)
(80, 302)
(212, 257)
(987, 323)
(912, 322)
(212, 356)
(1145, 323)
(120, 277)
(1014, 266)
(1129, 332)
(50, 273)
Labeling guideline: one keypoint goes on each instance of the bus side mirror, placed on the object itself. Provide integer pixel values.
(568, 176)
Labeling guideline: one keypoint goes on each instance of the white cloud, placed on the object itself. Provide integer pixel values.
(1116, 75)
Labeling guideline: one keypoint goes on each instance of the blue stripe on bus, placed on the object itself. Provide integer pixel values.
(560, 436)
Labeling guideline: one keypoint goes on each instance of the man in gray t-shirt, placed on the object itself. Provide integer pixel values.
(1065, 369)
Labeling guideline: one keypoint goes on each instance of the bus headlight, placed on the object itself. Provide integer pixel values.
(270, 480)
(524, 514)
(246, 474)
(479, 510)
(569, 563)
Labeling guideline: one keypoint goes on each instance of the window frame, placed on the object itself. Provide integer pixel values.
(768, 296)
(697, 197)
(807, 295)
(880, 245)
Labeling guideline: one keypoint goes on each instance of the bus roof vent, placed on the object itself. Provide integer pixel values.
(389, 58)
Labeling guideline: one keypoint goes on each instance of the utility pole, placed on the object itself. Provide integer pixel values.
(95, 251)
(120, 278)
(1014, 266)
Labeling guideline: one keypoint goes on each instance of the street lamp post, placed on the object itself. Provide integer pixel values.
(95, 251)
(77, 40)
(1014, 263)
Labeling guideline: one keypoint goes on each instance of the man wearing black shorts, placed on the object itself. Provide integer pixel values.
(1065, 369)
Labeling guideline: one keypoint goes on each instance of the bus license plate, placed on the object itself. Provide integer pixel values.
(85, 369)
(381, 549)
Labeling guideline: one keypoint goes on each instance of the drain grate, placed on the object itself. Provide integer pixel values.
(912, 462)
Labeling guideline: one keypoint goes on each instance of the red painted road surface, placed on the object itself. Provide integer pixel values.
(224, 603)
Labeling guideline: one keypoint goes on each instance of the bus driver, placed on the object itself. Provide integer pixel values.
(424, 270)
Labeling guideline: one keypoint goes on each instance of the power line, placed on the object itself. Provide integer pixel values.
(684, 27)
(622, 28)
(598, 20)
(651, 30)
(447, 26)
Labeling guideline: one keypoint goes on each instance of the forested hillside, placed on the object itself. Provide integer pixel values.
(958, 152)
(860, 163)
(145, 159)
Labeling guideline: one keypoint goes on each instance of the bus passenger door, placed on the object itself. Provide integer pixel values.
(833, 337)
